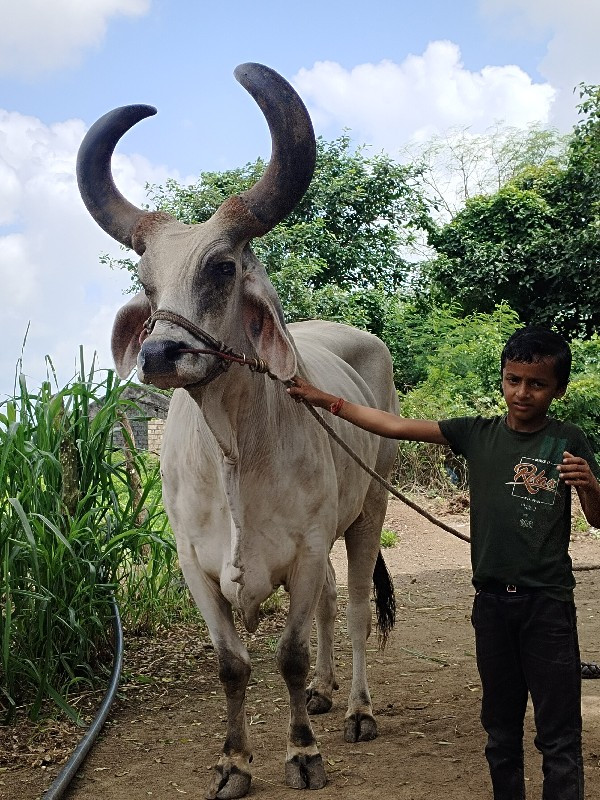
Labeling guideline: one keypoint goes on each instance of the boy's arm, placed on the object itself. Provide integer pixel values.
(370, 419)
(575, 471)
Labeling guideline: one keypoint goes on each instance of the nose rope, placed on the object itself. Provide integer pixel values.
(186, 324)
(255, 364)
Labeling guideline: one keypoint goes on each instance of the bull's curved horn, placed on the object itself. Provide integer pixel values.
(116, 215)
(293, 153)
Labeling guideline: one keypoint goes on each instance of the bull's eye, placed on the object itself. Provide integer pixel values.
(149, 291)
(225, 267)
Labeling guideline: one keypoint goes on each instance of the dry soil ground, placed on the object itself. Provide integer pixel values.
(167, 727)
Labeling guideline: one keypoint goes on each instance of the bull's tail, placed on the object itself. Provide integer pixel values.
(385, 600)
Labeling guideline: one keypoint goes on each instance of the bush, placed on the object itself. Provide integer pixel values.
(581, 405)
(460, 358)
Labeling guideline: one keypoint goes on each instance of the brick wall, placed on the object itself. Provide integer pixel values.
(139, 429)
(146, 417)
(155, 433)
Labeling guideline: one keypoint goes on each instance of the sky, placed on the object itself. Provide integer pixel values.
(392, 72)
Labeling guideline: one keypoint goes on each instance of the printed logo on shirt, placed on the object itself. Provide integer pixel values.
(535, 478)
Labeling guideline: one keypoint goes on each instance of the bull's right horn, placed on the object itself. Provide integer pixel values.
(116, 215)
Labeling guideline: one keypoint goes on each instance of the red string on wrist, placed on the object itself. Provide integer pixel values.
(336, 407)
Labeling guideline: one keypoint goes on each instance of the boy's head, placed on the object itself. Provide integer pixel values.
(536, 343)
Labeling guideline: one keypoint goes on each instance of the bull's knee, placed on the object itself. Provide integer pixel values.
(234, 671)
(329, 590)
(293, 660)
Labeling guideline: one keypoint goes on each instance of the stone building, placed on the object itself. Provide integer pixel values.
(146, 415)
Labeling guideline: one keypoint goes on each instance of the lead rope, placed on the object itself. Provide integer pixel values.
(398, 494)
(377, 476)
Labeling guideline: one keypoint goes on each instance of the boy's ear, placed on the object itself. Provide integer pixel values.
(560, 392)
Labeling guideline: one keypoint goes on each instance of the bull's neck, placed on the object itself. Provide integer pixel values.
(232, 403)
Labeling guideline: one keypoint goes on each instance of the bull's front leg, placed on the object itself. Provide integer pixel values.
(231, 775)
(303, 765)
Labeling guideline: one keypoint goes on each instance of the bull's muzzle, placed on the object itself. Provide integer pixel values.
(159, 357)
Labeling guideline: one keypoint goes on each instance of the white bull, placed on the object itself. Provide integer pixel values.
(255, 491)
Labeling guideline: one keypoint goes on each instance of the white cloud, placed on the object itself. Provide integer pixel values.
(38, 35)
(572, 54)
(50, 273)
(388, 104)
(17, 275)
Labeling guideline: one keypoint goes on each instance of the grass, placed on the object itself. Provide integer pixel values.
(580, 523)
(74, 526)
(274, 603)
(388, 538)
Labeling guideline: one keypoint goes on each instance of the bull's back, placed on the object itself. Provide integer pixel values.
(368, 358)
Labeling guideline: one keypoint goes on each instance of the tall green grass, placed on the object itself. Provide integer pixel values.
(78, 519)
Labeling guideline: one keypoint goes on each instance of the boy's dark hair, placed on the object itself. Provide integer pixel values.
(534, 343)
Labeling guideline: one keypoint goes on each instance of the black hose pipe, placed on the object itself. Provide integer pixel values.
(68, 772)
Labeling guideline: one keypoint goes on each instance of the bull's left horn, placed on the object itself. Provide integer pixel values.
(116, 215)
(293, 154)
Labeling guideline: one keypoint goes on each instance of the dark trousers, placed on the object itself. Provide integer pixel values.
(527, 643)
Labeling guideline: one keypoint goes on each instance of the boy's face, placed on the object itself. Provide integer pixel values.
(528, 390)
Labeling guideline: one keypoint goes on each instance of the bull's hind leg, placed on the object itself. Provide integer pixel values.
(319, 694)
(362, 546)
(303, 765)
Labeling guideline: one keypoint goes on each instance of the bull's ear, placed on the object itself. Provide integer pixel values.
(264, 326)
(127, 327)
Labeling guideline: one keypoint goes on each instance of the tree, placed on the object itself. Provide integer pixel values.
(535, 243)
(460, 164)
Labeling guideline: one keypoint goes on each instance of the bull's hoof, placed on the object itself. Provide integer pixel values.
(360, 728)
(317, 703)
(228, 783)
(305, 772)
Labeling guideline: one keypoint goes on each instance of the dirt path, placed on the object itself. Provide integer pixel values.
(167, 728)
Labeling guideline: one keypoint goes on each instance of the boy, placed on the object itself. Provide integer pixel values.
(521, 468)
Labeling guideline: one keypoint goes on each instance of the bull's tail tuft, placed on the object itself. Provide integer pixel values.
(385, 600)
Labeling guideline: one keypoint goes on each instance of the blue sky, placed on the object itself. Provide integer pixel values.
(392, 72)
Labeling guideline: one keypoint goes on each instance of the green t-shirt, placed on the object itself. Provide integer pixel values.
(520, 511)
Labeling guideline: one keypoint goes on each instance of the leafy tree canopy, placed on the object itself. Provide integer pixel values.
(535, 243)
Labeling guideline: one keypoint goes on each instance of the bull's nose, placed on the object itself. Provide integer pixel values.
(159, 357)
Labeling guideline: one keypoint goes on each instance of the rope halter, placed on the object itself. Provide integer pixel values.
(225, 355)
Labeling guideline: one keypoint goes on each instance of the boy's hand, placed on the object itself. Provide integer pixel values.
(303, 390)
(575, 471)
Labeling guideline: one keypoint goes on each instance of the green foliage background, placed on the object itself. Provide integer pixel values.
(535, 243)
